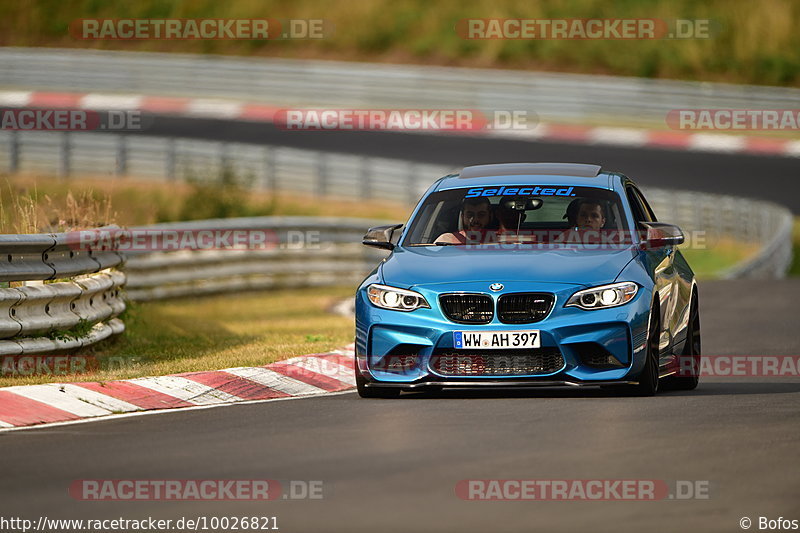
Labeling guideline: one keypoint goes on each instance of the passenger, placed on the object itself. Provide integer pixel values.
(591, 215)
(476, 214)
(586, 222)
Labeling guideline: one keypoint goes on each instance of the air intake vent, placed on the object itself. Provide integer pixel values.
(491, 363)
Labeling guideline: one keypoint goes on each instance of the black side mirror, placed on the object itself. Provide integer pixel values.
(660, 234)
(381, 236)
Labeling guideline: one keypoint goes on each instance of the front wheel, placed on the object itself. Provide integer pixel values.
(374, 392)
(691, 353)
(648, 379)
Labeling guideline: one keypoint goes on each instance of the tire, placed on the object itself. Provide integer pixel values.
(692, 348)
(374, 392)
(648, 379)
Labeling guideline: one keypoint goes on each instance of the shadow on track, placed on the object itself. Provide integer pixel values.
(716, 388)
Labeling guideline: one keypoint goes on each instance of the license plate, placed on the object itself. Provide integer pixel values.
(496, 340)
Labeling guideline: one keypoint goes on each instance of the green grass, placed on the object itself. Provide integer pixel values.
(710, 262)
(216, 332)
(756, 41)
(794, 269)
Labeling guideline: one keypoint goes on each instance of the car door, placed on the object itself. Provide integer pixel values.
(681, 293)
(661, 266)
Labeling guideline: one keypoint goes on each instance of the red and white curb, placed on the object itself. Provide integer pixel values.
(235, 110)
(309, 375)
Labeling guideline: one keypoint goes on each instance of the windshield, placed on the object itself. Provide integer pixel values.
(519, 214)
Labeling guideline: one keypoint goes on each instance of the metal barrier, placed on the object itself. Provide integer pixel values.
(261, 167)
(742, 220)
(42, 317)
(553, 97)
(299, 251)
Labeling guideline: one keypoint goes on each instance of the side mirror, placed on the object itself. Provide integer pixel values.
(661, 234)
(381, 236)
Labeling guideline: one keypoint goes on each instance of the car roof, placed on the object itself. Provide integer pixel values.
(575, 174)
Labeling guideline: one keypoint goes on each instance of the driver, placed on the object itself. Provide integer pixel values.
(476, 214)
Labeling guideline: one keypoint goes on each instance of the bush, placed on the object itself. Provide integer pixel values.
(224, 196)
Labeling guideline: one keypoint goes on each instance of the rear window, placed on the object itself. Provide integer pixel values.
(509, 213)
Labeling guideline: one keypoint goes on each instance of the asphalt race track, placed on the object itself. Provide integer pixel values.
(754, 176)
(392, 465)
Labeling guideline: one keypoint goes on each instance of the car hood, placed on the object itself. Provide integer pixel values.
(416, 266)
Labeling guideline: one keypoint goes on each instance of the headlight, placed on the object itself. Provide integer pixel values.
(604, 296)
(395, 299)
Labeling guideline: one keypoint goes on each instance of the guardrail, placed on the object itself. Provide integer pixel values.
(77, 309)
(775, 257)
(300, 251)
(742, 220)
(322, 174)
(553, 97)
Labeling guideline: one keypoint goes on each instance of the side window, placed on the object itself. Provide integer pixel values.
(636, 206)
(648, 211)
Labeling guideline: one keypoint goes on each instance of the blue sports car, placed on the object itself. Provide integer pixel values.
(528, 274)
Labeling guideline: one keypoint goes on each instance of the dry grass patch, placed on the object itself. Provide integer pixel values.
(41, 204)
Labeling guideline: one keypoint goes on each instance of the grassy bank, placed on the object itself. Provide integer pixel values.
(752, 42)
(217, 332)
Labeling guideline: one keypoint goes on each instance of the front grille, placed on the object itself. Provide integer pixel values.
(524, 307)
(468, 308)
(478, 363)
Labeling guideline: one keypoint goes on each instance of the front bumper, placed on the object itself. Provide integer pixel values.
(577, 334)
(495, 384)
